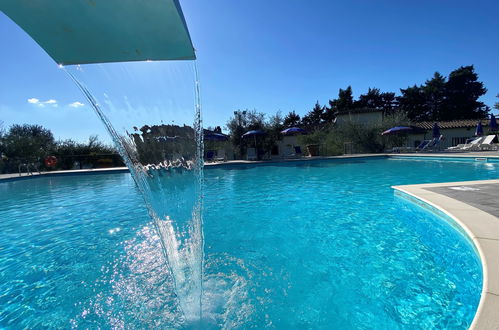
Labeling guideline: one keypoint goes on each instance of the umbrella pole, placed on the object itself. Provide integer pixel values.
(256, 149)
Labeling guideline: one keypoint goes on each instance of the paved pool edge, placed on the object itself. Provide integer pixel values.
(483, 230)
(17, 177)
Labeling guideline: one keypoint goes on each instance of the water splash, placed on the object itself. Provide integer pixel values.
(166, 163)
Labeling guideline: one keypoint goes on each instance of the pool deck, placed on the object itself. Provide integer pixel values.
(16, 176)
(473, 205)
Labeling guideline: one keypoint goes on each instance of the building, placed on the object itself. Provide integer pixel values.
(454, 132)
(360, 116)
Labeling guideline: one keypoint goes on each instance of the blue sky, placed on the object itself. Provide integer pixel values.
(274, 55)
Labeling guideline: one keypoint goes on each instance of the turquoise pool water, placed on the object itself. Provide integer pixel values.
(309, 245)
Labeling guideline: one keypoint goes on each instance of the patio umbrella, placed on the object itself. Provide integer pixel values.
(493, 123)
(253, 133)
(294, 131)
(396, 130)
(212, 136)
(436, 131)
(479, 129)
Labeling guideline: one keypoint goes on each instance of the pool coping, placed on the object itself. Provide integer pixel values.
(17, 177)
(482, 229)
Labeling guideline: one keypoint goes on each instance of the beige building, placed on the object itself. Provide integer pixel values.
(454, 132)
(360, 116)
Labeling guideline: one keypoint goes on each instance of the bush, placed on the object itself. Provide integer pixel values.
(365, 138)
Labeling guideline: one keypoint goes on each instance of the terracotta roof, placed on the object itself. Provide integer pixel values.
(463, 123)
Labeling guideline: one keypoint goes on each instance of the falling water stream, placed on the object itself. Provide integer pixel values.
(165, 160)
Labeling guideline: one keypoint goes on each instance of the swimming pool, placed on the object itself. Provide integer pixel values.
(321, 244)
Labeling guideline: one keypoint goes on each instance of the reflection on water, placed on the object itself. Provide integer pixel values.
(136, 290)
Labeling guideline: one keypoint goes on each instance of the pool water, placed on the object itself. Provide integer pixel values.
(321, 244)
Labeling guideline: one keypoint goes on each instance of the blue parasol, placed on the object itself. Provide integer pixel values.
(493, 123)
(254, 133)
(212, 136)
(479, 129)
(294, 131)
(397, 129)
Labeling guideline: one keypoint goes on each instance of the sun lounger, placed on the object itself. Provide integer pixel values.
(251, 154)
(210, 154)
(423, 144)
(487, 144)
(471, 146)
(293, 152)
(430, 145)
(298, 151)
(220, 156)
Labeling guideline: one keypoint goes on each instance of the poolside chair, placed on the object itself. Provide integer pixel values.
(251, 154)
(293, 152)
(468, 146)
(220, 156)
(422, 145)
(298, 151)
(487, 144)
(434, 144)
(210, 154)
(288, 152)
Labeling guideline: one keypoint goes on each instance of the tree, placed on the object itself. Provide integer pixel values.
(328, 115)
(344, 102)
(27, 142)
(441, 99)
(388, 102)
(425, 102)
(313, 118)
(372, 99)
(412, 101)
(69, 151)
(434, 92)
(462, 93)
(375, 99)
(240, 123)
(291, 119)
(275, 122)
(496, 105)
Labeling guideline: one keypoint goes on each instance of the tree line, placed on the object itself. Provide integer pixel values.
(30, 145)
(439, 98)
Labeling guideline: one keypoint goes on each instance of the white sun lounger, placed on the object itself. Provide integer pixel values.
(487, 143)
(473, 145)
(251, 154)
(220, 156)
